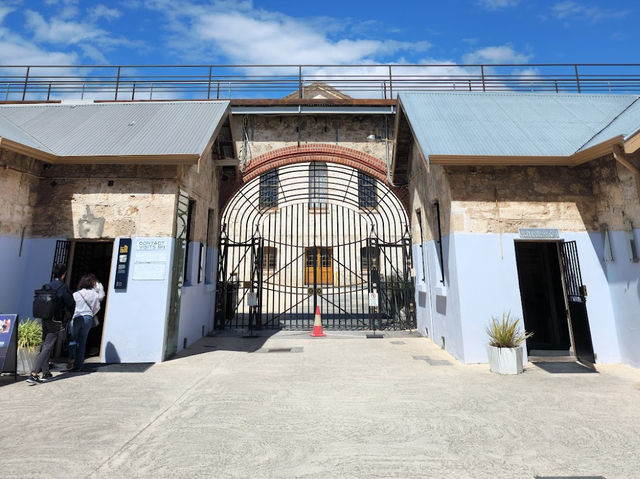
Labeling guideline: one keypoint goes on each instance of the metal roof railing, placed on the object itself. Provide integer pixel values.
(372, 81)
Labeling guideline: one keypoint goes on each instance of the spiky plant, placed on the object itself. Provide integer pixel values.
(29, 334)
(504, 333)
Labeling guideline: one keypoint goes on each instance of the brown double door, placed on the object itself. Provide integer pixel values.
(318, 265)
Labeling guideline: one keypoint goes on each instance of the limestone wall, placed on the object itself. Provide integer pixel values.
(18, 193)
(425, 189)
(105, 201)
(266, 133)
(482, 199)
(202, 183)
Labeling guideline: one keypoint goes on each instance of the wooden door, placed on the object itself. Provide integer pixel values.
(318, 266)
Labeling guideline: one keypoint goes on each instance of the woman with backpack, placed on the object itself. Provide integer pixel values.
(88, 296)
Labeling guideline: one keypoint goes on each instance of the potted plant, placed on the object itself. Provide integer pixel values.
(505, 345)
(29, 340)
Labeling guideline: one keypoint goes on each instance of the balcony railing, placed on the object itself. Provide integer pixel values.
(156, 82)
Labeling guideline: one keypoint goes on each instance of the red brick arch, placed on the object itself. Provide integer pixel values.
(318, 152)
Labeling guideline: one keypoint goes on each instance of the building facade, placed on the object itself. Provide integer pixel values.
(435, 212)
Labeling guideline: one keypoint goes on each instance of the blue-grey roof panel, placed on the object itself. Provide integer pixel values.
(625, 124)
(119, 129)
(508, 124)
(12, 132)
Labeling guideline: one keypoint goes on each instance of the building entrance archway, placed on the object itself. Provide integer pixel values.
(315, 234)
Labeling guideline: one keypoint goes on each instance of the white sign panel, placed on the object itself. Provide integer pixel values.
(150, 260)
(252, 298)
(149, 271)
(373, 299)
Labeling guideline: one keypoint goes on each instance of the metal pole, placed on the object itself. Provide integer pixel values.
(209, 84)
(484, 88)
(577, 78)
(49, 92)
(117, 84)
(133, 91)
(390, 84)
(300, 81)
(26, 80)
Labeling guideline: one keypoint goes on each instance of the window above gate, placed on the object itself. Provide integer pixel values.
(367, 191)
(318, 185)
(269, 189)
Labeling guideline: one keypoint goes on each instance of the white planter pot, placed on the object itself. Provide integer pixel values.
(27, 360)
(505, 360)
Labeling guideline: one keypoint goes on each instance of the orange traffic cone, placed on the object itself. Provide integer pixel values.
(317, 325)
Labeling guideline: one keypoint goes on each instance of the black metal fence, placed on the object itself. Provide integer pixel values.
(313, 245)
(156, 82)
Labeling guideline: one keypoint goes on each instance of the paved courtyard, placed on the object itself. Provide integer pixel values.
(342, 406)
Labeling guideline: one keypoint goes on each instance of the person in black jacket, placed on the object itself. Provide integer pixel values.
(51, 327)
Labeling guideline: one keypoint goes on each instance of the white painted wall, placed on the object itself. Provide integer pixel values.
(198, 299)
(623, 277)
(438, 305)
(13, 267)
(23, 274)
(135, 318)
(481, 281)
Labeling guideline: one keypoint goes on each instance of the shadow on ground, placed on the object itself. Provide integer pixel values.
(565, 368)
(227, 340)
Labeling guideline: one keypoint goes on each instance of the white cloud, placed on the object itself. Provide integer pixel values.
(570, 10)
(60, 31)
(495, 54)
(102, 11)
(242, 34)
(16, 50)
(497, 4)
(83, 33)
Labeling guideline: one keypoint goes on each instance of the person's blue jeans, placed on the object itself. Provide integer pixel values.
(78, 343)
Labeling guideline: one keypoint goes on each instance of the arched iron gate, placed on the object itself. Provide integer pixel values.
(315, 234)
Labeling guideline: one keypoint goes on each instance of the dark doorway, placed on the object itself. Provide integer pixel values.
(92, 257)
(542, 295)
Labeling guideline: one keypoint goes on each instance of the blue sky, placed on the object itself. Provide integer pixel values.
(328, 32)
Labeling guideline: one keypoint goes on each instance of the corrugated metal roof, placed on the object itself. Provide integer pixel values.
(625, 124)
(12, 132)
(114, 129)
(510, 124)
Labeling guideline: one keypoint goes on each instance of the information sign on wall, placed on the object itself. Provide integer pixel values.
(122, 266)
(152, 256)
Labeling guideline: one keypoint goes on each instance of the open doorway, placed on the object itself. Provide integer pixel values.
(92, 257)
(543, 298)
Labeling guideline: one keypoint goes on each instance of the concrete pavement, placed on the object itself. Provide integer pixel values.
(342, 406)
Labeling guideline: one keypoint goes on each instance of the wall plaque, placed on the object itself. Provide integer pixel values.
(539, 233)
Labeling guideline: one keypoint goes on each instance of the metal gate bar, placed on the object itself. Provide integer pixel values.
(303, 238)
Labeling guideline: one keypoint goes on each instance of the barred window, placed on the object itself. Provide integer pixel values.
(367, 191)
(318, 185)
(269, 189)
(269, 257)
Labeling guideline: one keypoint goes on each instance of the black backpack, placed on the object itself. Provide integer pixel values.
(46, 302)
